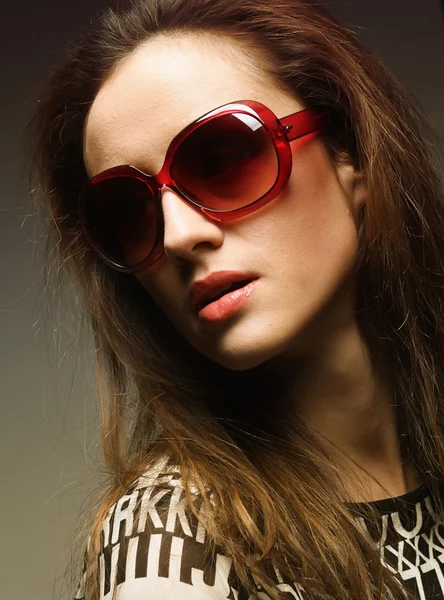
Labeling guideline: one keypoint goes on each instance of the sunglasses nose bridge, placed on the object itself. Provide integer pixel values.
(169, 187)
(163, 181)
(163, 177)
(165, 187)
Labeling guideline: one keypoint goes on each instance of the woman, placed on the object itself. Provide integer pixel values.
(249, 206)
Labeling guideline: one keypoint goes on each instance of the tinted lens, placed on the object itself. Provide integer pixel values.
(226, 163)
(120, 215)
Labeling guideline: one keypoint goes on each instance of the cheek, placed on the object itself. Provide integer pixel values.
(308, 239)
(168, 296)
(156, 284)
(311, 221)
(320, 226)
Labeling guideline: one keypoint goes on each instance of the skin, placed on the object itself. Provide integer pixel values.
(303, 245)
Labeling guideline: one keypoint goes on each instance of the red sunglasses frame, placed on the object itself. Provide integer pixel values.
(281, 131)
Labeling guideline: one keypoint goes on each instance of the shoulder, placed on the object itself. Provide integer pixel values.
(152, 547)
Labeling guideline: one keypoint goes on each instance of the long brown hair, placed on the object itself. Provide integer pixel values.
(278, 499)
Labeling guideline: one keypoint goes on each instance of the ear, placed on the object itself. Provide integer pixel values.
(354, 185)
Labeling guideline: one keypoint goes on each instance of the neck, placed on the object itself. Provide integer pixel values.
(340, 393)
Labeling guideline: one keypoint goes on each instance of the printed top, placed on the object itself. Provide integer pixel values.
(152, 550)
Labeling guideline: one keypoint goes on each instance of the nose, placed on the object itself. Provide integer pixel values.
(188, 231)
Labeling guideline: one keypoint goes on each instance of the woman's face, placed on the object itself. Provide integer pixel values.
(302, 246)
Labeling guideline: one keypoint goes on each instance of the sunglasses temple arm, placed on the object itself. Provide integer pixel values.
(302, 123)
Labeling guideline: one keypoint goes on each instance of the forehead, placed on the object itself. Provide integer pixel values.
(159, 89)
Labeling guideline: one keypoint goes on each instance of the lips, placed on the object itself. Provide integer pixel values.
(205, 290)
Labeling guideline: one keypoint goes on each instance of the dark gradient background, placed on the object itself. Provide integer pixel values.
(49, 427)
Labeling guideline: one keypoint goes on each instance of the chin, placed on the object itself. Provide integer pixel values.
(242, 361)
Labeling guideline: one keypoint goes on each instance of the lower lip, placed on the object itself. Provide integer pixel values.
(227, 305)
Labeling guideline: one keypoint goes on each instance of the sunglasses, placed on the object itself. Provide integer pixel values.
(228, 163)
